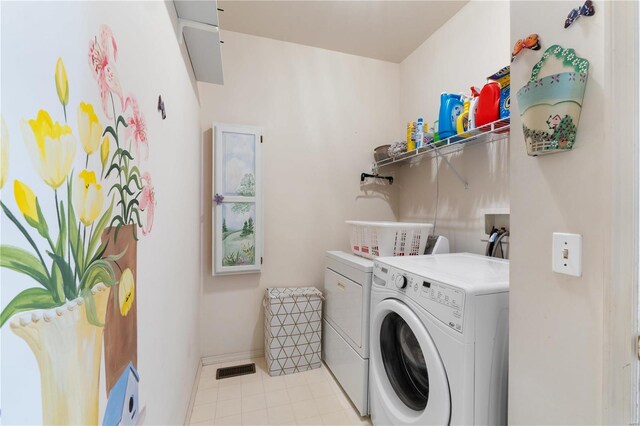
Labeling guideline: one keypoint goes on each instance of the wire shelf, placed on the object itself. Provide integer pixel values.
(483, 134)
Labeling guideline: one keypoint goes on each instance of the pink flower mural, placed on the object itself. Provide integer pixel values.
(147, 202)
(137, 127)
(102, 58)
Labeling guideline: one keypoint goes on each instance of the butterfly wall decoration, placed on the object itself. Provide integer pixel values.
(531, 42)
(161, 107)
(586, 9)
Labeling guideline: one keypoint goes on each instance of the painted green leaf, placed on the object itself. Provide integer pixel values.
(97, 232)
(74, 229)
(121, 189)
(115, 257)
(31, 298)
(68, 282)
(115, 154)
(132, 203)
(126, 154)
(116, 219)
(135, 171)
(42, 227)
(99, 253)
(110, 129)
(22, 261)
(134, 178)
(122, 121)
(32, 223)
(91, 309)
(61, 246)
(24, 232)
(118, 227)
(135, 213)
(114, 166)
(100, 271)
(57, 283)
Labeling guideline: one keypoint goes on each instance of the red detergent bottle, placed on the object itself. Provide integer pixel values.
(488, 109)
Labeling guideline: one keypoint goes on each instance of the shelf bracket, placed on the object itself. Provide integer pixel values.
(455, 172)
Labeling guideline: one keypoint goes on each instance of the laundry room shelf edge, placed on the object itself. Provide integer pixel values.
(497, 130)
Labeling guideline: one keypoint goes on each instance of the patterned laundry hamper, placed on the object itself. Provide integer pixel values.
(292, 329)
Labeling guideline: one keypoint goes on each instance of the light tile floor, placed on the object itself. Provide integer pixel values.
(309, 398)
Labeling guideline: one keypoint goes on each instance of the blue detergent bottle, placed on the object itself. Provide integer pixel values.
(450, 108)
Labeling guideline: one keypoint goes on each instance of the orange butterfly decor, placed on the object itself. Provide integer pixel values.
(531, 42)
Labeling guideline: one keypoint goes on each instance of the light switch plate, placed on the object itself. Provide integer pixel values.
(567, 254)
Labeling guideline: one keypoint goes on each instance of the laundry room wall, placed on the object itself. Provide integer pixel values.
(472, 45)
(322, 112)
(154, 323)
(556, 321)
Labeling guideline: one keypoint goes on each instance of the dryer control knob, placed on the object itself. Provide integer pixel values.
(401, 281)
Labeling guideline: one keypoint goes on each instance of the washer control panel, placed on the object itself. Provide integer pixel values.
(443, 301)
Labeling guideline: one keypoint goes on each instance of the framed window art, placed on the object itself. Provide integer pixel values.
(237, 199)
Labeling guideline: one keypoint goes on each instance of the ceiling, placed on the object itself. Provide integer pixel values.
(387, 30)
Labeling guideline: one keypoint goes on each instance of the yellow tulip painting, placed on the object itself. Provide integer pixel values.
(26, 201)
(126, 292)
(79, 243)
(62, 85)
(87, 197)
(104, 151)
(52, 148)
(4, 152)
(89, 128)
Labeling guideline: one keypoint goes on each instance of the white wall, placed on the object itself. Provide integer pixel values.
(323, 112)
(149, 63)
(556, 321)
(463, 52)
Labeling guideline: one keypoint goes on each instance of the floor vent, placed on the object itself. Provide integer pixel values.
(236, 370)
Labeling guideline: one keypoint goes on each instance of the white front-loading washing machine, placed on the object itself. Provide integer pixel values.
(439, 340)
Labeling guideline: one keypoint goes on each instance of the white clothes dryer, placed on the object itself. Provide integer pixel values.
(345, 330)
(439, 340)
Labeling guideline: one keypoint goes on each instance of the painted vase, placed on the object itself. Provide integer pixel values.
(551, 102)
(68, 350)
(120, 331)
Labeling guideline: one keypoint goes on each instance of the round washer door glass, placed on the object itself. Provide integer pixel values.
(404, 362)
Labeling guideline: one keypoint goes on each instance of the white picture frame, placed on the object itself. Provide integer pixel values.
(238, 226)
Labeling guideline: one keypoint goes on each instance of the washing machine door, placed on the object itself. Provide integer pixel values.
(408, 372)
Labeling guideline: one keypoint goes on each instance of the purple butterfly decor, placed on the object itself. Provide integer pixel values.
(218, 199)
(586, 9)
(161, 107)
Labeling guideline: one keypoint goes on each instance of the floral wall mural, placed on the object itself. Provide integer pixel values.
(78, 239)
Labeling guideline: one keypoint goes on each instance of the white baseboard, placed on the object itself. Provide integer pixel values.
(192, 398)
(237, 356)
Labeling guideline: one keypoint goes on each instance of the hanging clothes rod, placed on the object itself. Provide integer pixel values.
(364, 176)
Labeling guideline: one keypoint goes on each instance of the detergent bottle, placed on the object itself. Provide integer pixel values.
(450, 109)
(488, 109)
(419, 132)
(462, 123)
(503, 78)
(475, 96)
(411, 143)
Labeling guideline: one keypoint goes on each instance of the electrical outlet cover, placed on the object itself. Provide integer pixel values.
(567, 254)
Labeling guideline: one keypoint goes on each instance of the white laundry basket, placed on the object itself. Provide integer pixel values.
(292, 329)
(377, 239)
